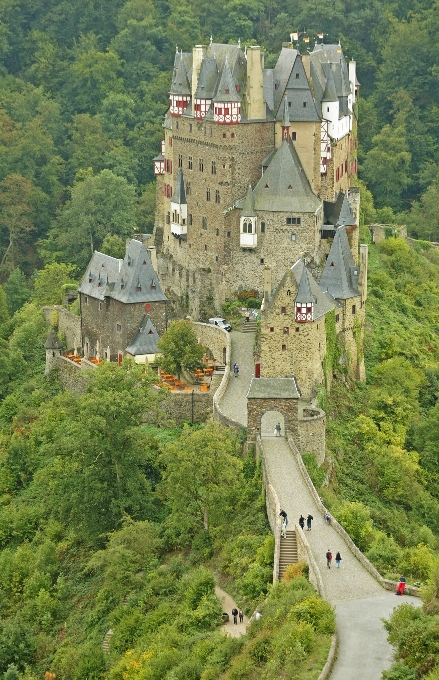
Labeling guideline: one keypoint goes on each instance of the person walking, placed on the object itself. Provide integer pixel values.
(401, 586)
(283, 514)
(338, 559)
(328, 558)
(309, 519)
(301, 521)
(236, 370)
(235, 615)
(277, 430)
(283, 530)
(241, 615)
(327, 518)
(247, 316)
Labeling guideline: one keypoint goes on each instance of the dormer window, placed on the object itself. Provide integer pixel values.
(138, 287)
(153, 285)
(227, 91)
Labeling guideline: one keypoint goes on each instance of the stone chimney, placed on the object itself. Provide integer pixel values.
(198, 53)
(267, 283)
(256, 107)
(153, 255)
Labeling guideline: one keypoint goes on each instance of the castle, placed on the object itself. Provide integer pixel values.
(256, 168)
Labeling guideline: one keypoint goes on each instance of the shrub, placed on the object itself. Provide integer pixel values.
(295, 570)
(317, 475)
(317, 613)
(400, 671)
(356, 520)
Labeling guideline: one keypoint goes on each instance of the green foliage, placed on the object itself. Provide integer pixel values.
(179, 348)
(50, 281)
(355, 519)
(317, 474)
(17, 290)
(114, 246)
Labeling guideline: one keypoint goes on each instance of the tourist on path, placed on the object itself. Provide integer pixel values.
(241, 615)
(283, 514)
(327, 518)
(247, 316)
(277, 430)
(328, 558)
(283, 530)
(236, 370)
(309, 519)
(235, 615)
(401, 586)
(337, 559)
(301, 522)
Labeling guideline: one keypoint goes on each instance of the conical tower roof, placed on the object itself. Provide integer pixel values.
(207, 79)
(179, 195)
(284, 186)
(330, 93)
(53, 341)
(248, 206)
(226, 91)
(340, 274)
(304, 294)
(180, 81)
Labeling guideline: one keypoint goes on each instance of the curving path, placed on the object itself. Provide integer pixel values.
(360, 602)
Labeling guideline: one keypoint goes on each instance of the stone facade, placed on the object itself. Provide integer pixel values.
(202, 257)
(311, 431)
(256, 408)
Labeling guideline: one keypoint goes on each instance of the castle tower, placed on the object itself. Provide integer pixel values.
(248, 219)
(179, 208)
(304, 302)
(180, 93)
(54, 348)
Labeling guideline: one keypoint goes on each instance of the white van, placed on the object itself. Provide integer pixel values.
(222, 323)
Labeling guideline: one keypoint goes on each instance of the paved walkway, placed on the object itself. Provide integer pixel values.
(359, 600)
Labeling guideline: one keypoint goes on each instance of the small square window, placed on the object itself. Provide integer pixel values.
(337, 318)
(286, 330)
(284, 348)
(118, 327)
(100, 306)
(86, 300)
(293, 237)
(262, 227)
(304, 105)
(297, 329)
(271, 329)
(353, 309)
(217, 232)
(205, 247)
(224, 135)
(148, 307)
(293, 136)
(232, 135)
(228, 234)
(261, 260)
(297, 76)
(283, 310)
(190, 127)
(216, 258)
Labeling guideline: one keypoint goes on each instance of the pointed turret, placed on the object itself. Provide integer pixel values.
(179, 208)
(54, 347)
(207, 82)
(340, 274)
(227, 102)
(286, 121)
(248, 207)
(304, 302)
(180, 93)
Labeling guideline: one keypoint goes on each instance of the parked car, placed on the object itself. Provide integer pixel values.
(222, 323)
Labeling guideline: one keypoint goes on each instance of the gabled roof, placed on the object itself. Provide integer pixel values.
(301, 106)
(53, 341)
(226, 91)
(179, 195)
(340, 274)
(323, 302)
(325, 59)
(304, 294)
(248, 206)
(137, 280)
(284, 186)
(180, 81)
(101, 271)
(281, 73)
(145, 339)
(340, 212)
(208, 78)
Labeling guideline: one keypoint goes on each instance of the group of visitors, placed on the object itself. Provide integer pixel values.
(237, 613)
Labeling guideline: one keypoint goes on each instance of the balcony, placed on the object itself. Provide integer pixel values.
(178, 229)
(248, 240)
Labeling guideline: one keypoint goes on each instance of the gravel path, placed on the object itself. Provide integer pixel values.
(230, 628)
(360, 602)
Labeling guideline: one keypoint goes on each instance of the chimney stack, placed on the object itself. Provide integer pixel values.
(256, 107)
(267, 283)
(198, 53)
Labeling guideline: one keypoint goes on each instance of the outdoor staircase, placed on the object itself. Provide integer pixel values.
(288, 552)
(250, 325)
(106, 641)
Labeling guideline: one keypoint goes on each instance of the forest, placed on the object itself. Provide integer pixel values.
(83, 91)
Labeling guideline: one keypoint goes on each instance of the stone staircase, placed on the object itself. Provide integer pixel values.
(106, 641)
(288, 552)
(250, 325)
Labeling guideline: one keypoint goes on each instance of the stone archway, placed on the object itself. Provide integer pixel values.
(272, 394)
(268, 422)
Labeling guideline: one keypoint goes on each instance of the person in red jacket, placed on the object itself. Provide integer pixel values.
(401, 586)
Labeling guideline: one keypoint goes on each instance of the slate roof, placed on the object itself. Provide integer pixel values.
(301, 106)
(304, 294)
(330, 94)
(284, 186)
(273, 388)
(326, 59)
(53, 341)
(179, 195)
(101, 272)
(145, 339)
(269, 87)
(323, 302)
(180, 81)
(248, 205)
(339, 212)
(286, 116)
(207, 79)
(226, 91)
(137, 280)
(340, 274)
(281, 73)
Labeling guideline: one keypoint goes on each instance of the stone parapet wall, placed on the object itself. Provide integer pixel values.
(388, 585)
(69, 324)
(379, 232)
(216, 339)
(181, 407)
(272, 506)
(311, 432)
(304, 554)
(71, 375)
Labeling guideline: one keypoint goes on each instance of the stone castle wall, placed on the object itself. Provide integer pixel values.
(311, 432)
(69, 325)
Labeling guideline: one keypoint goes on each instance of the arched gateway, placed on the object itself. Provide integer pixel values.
(272, 394)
